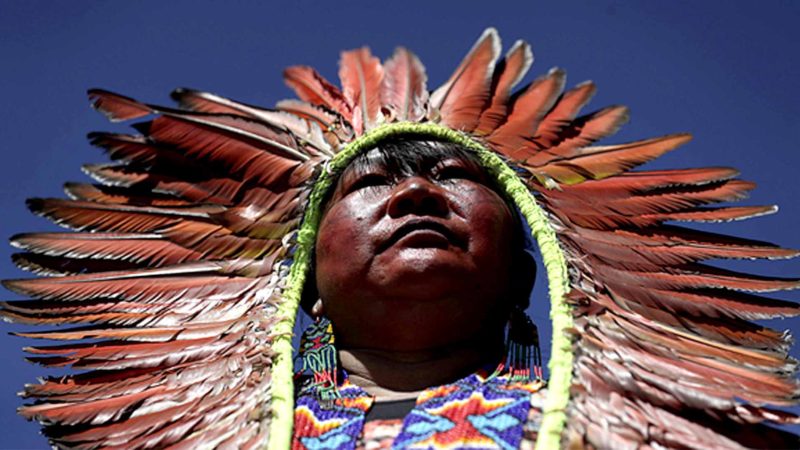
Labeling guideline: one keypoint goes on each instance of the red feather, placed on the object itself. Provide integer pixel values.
(527, 111)
(580, 133)
(244, 155)
(508, 74)
(362, 76)
(603, 162)
(208, 103)
(311, 87)
(134, 286)
(461, 100)
(152, 250)
(118, 107)
(107, 194)
(714, 214)
(629, 183)
(404, 89)
(216, 191)
(551, 130)
(333, 125)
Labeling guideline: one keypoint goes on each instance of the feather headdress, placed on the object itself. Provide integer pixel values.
(182, 273)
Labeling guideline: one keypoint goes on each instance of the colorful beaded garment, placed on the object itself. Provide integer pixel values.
(474, 412)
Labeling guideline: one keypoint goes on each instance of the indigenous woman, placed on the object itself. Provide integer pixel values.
(399, 219)
(419, 263)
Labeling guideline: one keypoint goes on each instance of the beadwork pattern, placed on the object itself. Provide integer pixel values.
(475, 412)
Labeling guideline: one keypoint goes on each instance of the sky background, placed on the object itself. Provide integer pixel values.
(725, 71)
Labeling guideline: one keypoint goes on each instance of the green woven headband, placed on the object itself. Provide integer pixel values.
(560, 363)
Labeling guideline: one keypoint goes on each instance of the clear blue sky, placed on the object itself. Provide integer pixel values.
(726, 71)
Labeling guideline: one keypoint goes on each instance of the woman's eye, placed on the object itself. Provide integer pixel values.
(368, 180)
(455, 172)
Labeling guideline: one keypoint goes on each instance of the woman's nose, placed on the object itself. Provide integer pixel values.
(418, 196)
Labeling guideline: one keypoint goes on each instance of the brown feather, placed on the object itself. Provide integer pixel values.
(117, 107)
(122, 196)
(716, 214)
(131, 286)
(207, 102)
(67, 414)
(628, 183)
(81, 215)
(651, 202)
(602, 162)
(553, 126)
(125, 178)
(152, 250)
(49, 266)
(245, 130)
(695, 276)
(210, 103)
(527, 111)
(143, 334)
(334, 127)
(311, 87)
(403, 88)
(241, 155)
(143, 152)
(460, 101)
(579, 134)
(362, 75)
(670, 246)
(509, 72)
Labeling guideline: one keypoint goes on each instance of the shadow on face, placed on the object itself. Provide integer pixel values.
(417, 250)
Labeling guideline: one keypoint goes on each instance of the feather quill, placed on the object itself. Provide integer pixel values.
(459, 102)
(404, 87)
(528, 109)
(117, 108)
(311, 87)
(509, 72)
(362, 75)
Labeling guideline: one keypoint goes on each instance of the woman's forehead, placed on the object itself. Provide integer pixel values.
(404, 157)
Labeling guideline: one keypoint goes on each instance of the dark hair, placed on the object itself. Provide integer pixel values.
(408, 156)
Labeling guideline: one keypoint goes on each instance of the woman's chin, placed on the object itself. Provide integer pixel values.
(420, 267)
(414, 339)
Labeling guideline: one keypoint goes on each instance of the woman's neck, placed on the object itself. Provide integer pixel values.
(393, 375)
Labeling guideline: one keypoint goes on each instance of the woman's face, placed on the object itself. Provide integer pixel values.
(416, 260)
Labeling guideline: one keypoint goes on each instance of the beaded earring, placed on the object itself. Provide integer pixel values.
(319, 357)
(524, 357)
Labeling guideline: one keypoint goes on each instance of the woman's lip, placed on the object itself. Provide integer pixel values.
(423, 238)
(421, 233)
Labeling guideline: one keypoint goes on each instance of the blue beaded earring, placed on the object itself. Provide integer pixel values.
(319, 357)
